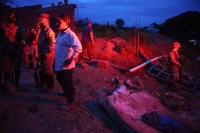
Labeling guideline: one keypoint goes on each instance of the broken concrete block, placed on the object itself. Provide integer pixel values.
(103, 64)
(128, 83)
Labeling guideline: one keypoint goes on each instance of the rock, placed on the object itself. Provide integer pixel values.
(84, 65)
(103, 64)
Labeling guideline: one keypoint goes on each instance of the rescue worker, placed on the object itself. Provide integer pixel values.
(46, 54)
(12, 40)
(174, 62)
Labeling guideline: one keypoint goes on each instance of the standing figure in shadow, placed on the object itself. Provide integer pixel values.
(11, 43)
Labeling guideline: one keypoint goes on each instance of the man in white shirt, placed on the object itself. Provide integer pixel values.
(68, 47)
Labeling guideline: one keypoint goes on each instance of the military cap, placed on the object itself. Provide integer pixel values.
(44, 15)
(176, 45)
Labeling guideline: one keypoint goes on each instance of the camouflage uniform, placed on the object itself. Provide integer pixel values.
(46, 47)
(12, 49)
(174, 65)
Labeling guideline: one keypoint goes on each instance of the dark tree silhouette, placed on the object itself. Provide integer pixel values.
(183, 27)
(119, 23)
(3, 9)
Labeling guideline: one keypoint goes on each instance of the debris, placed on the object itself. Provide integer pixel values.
(117, 81)
(174, 96)
(157, 93)
(84, 65)
(39, 100)
(121, 90)
(128, 83)
(138, 80)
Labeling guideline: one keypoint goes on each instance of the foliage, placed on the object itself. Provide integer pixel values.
(4, 2)
(119, 23)
(79, 24)
(4, 8)
(105, 31)
(102, 31)
(183, 27)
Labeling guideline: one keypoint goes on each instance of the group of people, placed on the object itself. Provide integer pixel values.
(48, 48)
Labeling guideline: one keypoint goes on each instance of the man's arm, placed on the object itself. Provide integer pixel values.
(77, 49)
(92, 37)
(1, 36)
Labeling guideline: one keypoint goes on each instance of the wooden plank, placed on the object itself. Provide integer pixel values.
(152, 67)
(187, 82)
(160, 72)
(163, 71)
(159, 77)
(196, 85)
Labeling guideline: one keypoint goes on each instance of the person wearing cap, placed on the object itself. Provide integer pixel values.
(46, 54)
(11, 43)
(174, 62)
(67, 50)
(87, 41)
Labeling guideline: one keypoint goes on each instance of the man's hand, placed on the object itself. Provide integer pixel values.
(37, 58)
(67, 62)
(45, 23)
(179, 65)
(23, 43)
(92, 43)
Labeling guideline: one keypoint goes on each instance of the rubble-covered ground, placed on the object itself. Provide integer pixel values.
(34, 112)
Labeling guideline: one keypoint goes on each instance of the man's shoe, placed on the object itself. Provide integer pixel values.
(50, 88)
(2, 88)
(91, 59)
(18, 86)
(10, 89)
(67, 107)
(80, 61)
(41, 86)
(61, 93)
(45, 90)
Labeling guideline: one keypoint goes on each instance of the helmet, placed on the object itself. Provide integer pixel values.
(176, 45)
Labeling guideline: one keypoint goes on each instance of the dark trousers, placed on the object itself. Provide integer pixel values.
(88, 46)
(8, 62)
(65, 78)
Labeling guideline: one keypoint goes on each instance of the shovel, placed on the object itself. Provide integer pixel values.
(36, 77)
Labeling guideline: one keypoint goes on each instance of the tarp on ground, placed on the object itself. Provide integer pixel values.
(126, 110)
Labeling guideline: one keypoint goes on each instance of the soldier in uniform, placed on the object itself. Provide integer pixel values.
(46, 47)
(11, 40)
(174, 62)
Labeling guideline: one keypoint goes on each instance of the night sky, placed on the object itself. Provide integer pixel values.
(103, 11)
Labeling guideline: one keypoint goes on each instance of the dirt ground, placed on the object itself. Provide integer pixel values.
(30, 111)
